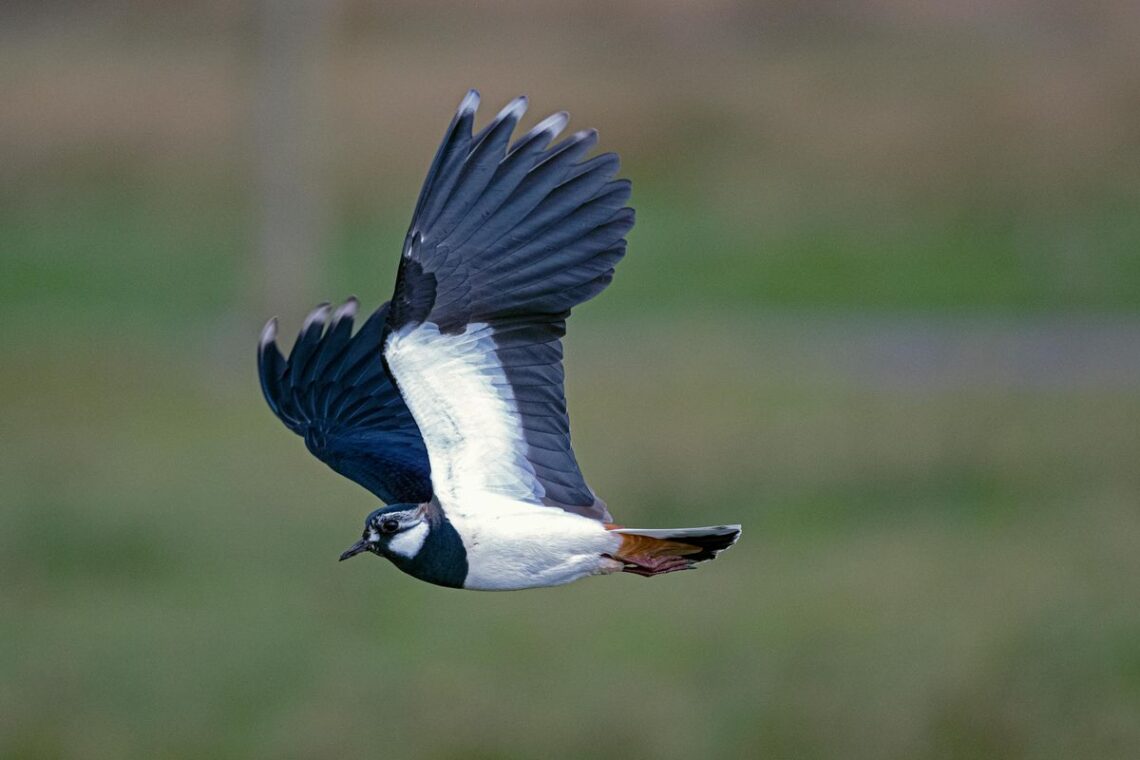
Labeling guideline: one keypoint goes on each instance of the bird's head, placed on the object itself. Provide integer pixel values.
(397, 532)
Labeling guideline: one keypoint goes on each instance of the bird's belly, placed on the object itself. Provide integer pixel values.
(532, 547)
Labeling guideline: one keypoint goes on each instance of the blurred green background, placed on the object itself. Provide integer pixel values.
(882, 307)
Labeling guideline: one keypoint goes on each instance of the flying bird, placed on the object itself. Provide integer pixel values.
(448, 403)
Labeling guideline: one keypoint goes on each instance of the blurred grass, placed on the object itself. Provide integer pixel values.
(936, 564)
(88, 251)
(953, 567)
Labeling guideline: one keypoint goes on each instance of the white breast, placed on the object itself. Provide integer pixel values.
(514, 545)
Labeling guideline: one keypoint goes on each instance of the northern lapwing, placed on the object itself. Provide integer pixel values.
(448, 404)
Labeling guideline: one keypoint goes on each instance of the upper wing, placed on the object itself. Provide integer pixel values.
(503, 243)
(334, 392)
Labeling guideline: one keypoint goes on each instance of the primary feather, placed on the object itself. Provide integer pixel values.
(449, 399)
(333, 391)
(505, 241)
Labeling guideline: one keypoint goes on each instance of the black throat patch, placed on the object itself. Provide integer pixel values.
(442, 560)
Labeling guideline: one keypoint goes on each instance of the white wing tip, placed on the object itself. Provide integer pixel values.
(554, 124)
(515, 109)
(346, 309)
(268, 333)
(319, 314)
(469, 103)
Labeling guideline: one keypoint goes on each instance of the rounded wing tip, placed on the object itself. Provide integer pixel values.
(346, 309)
(469, 103)
(268, 334)
(553, 124)
(585, 134)
(515, 109)
(317, 315)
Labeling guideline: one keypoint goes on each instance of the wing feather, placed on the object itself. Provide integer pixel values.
(505, 241)
(333, 391)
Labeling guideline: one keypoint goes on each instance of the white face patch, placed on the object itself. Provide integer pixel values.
(407, 543)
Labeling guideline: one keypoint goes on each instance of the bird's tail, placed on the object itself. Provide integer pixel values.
(656, 551)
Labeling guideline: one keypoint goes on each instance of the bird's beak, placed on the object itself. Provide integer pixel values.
(355, 549)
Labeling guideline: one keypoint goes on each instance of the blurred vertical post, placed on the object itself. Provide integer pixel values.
(290, 187)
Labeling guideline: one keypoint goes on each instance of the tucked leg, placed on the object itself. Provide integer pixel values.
(647, 565)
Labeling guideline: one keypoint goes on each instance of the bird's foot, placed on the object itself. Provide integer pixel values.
(647, 566)
(609, 566)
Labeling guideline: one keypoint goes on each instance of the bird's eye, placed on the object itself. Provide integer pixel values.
(389, 525)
